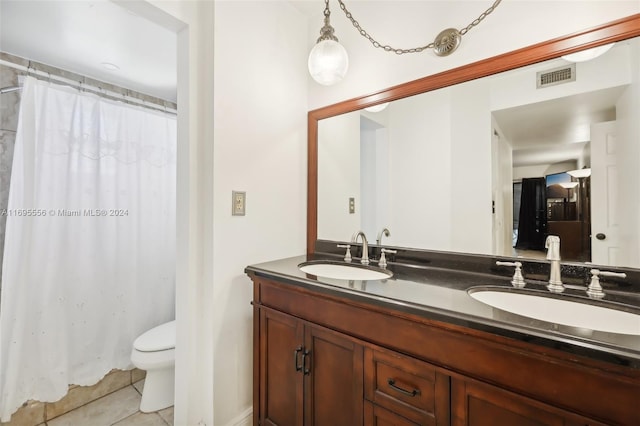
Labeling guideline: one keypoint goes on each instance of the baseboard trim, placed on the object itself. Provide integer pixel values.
(243, 419)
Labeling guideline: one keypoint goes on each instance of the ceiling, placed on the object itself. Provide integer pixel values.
(80, 36)
(556, 130)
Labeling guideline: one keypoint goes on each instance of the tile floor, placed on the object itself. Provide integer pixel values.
(119, 408)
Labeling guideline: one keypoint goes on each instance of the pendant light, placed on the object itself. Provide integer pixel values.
(328, 60)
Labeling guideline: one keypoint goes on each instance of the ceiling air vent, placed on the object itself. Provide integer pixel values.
(555, 76)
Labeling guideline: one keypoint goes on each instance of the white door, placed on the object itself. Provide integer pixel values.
(605, 241)
(502, 196)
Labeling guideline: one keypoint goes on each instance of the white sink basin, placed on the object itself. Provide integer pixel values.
(561, 311)
(343, 271)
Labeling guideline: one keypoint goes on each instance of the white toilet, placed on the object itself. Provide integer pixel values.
(154, 351)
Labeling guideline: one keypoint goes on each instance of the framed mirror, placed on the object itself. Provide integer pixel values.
(444, 166)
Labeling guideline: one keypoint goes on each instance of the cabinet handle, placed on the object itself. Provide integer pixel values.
(295, 358)
(412, 393)
(306, 355)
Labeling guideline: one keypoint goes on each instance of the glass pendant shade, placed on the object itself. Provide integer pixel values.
(328, 62)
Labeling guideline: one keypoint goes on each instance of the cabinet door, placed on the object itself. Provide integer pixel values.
(281, 383)
(333, 379)
(478, 404)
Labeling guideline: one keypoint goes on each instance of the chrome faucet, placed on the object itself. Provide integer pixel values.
(365, 246)
(384, 232)
(552, 245)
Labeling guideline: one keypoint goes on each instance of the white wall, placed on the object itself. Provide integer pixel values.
(433, 161)
(420, 171)
(373, 177)
(404, 24)
(193, 22)
(340, 177)
(259, 147)
(471, 131)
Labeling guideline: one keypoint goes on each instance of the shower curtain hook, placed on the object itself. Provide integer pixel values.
(30, 69)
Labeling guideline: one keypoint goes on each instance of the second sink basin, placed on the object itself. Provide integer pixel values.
(344, 271)
(598, 316)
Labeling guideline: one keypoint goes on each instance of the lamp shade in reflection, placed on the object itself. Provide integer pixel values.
(377, 108)
(580, 173)
(328, 62)
(568, 185)
(589, 54)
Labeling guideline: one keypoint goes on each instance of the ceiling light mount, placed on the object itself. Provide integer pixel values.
(327, 32)
(110, 66)
(445, 43)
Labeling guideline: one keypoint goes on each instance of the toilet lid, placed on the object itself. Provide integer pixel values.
(159, 338)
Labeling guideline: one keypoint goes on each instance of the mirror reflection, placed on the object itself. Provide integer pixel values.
(494, 165)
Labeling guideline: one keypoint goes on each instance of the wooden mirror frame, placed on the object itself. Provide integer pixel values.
(604, 34)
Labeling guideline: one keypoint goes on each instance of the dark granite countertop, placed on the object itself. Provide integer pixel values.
(440, 293)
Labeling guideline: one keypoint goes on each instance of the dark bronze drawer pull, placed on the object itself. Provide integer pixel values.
(306, 355)
(412, 393)
(295, 358)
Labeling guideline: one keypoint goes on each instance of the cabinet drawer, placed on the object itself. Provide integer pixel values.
(378, 416)
(406, 386)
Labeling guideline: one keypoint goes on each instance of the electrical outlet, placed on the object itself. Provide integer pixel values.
(352, 205)
(238, 203)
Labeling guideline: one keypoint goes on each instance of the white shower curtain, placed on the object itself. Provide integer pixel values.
(89, 258)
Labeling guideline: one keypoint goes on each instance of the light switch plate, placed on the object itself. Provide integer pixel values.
(238, 203)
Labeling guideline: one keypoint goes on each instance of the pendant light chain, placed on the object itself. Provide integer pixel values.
(431, 45)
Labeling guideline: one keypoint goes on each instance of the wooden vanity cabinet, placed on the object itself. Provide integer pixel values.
(323, 359)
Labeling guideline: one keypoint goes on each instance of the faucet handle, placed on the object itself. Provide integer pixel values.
(383, 259)
(347, 255)
(518, 280)
(595, 289)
